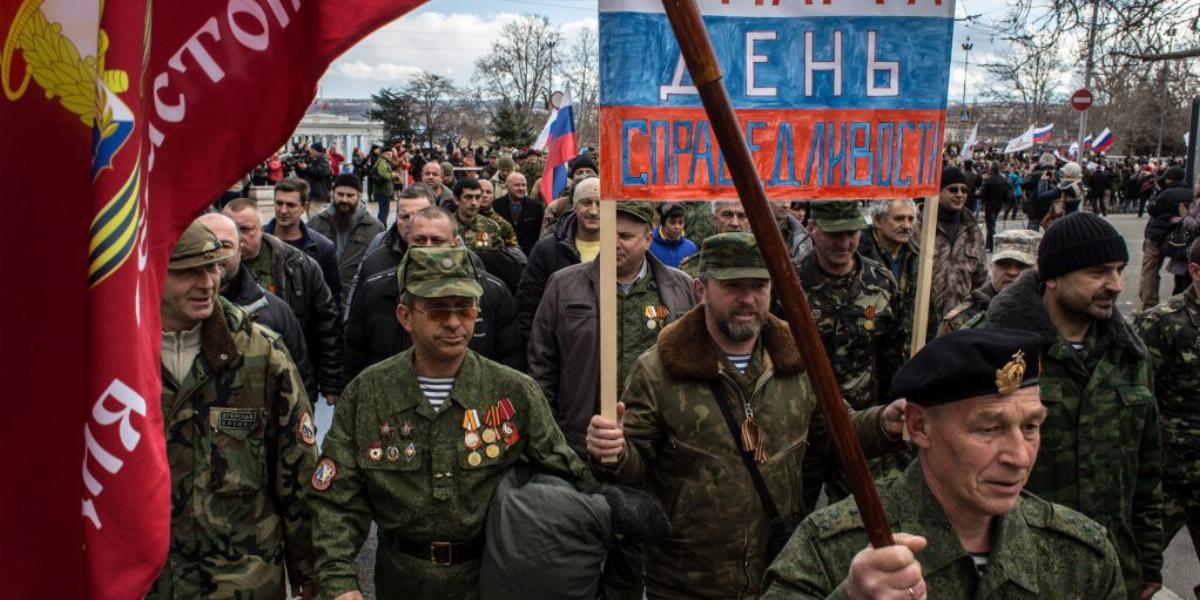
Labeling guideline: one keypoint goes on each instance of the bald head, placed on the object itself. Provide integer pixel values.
(227, 232)
(515, 185)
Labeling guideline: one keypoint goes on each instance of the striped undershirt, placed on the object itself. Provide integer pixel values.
(981, 561)
(739, 361)
(436, 389)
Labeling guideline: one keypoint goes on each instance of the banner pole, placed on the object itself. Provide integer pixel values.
(925, 273)
(609, 386)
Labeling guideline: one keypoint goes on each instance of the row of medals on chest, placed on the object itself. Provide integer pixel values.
(496, 427)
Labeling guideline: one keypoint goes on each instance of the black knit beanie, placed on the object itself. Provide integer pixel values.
(951, 176)
(348, 180)
(1077, 241)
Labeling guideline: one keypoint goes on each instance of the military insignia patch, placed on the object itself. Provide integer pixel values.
(236, 419)
(306, 429)
(323, 475)
(1008, 378)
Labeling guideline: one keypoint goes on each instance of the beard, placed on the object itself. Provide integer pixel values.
(741, 332)
(1088, 307)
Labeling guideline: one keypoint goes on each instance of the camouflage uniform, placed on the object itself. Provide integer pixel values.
(906, 283)
(965, 315)
(507, 233)
(1101, 453)
(699, 218)
(959, 264)
(239, 436)
(1020, 245)
(681, 451)
(392, 459)
(481, 234)
(1043, 550)
(1171, 332)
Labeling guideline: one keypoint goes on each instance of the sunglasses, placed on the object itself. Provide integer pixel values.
(441, 314)
(957, 189)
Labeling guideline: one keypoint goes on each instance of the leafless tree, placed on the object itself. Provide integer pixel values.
(432, 96)
(582, 68)
(1025, 76)
(521, 62)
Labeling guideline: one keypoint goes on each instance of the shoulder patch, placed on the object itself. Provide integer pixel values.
(838, 518)
(1060, 519)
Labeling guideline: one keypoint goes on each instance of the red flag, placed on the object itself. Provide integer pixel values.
(130, 118)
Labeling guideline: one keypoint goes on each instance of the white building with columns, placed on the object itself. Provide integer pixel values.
(335, 130)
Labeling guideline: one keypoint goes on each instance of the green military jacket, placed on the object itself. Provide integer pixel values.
(1171, 332)
(1040, 550)
(1101, 452)
(681, 451)
(481, 234)
(507, 233)
(859, 319)
(240, 437)
(961, 316)
(906, 284)
(428, 488)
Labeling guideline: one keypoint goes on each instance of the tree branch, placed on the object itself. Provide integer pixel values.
(1190, 53)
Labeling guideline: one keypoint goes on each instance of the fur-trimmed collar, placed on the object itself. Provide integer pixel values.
(688, 352)
(1020, 306)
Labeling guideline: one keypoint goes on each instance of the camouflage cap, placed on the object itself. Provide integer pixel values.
(1020, 245)
(447, 168)
(641, 211)
(834, 217)
(438, 272)
(197, 247)
(506, 162)
(733, 255)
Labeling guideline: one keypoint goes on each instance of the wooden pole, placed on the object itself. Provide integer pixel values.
(609, 386)
(925, 273)
(706, 74)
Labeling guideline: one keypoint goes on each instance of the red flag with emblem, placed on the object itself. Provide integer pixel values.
(123, 119)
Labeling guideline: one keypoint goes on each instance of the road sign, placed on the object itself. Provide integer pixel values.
(964, 116)
(1081, 99)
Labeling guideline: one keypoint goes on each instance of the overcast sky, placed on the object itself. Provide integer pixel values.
(448, 36)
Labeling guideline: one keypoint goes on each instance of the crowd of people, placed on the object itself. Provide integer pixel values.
(455, 331)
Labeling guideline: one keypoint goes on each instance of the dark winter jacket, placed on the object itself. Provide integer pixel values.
(527, 224)
(373, 333)
(994, 192)
(321, 249)
(299, 282)
(272, 312)
(318, 174)
(1163, 207)
(552, 253)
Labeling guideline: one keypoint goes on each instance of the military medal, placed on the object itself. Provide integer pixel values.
(406, 430)
(474, 458)
(410, 452)
(508, 428)
(375, 451)
(306, 429)
(492, 451)
(323, 475)
(471, 425)
(393, 454)
(870, 314)
(491, 418)
(386, 430)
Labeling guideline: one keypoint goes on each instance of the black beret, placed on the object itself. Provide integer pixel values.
(969, 363)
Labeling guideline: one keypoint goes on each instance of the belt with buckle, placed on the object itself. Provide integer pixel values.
(438, 553)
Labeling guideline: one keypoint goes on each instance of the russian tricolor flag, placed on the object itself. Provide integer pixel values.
(558, 138)
(1104, 141)
(1041, 135)
(1087, 142)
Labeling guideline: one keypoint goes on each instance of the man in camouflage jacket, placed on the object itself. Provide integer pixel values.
(973, 412)
(1016, 251)
(676, 444)
(1171, 332)
(1101, 450)
(240, 438)
(959, 260)
(479, 233)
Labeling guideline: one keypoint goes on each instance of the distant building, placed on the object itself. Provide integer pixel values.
(335, 130)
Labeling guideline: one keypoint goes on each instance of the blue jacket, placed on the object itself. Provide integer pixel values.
(671, 253)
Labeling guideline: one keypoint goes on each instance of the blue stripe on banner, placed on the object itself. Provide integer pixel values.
(564, 122)
(639, 55)
(560, 181)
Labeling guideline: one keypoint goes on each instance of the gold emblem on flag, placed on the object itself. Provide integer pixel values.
(1009, 377)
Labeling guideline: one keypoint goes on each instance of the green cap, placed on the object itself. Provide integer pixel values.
(641, 211)
(833, 217)
(197, 247)
(438, 272)
(732, 255)
(1020, 245)
(506, 162)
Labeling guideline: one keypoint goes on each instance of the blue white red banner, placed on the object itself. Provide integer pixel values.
(1042, 134)
(1103, 141)
(837, 98)
(558, 140)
